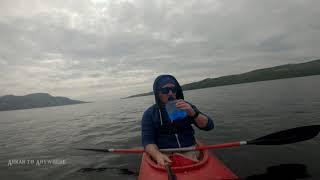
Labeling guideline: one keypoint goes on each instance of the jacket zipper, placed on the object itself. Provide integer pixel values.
(177, 138)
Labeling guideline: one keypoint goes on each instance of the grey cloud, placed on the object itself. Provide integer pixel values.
(94, 46)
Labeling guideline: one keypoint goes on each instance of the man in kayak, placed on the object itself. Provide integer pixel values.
(159, 132)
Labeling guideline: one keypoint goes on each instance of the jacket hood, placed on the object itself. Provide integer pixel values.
(156, 87)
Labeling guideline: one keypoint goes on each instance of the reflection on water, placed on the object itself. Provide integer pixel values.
(283, 172)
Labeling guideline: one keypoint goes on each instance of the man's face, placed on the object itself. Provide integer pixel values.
(164, 96)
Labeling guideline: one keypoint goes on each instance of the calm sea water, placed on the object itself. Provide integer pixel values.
(240, 112)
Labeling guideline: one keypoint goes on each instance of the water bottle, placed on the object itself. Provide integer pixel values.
(174, 113)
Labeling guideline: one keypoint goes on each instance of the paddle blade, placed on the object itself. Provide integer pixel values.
(96, 150)
(288, 136)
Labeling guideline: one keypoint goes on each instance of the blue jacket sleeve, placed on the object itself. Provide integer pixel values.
(210, 124)
(147, 129)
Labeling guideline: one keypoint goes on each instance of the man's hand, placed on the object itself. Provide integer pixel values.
(201, 120)
(162, 159)
(154, 152)
(181, 104)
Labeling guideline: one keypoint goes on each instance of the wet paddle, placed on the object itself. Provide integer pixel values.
(278, 138)
(171, 175)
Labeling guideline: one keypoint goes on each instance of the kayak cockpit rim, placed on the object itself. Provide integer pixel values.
(198, 165)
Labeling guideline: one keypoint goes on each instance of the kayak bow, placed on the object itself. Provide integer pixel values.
(208, 168)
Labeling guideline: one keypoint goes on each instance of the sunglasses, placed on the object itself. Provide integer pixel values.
(166, 90)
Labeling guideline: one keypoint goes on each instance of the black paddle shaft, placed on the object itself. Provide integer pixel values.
(288, 136)
(171, 175)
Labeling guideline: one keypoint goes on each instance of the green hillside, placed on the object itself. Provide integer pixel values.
(277, 72)
(36, 100)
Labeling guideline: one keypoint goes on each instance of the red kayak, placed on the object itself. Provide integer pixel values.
(208, 168)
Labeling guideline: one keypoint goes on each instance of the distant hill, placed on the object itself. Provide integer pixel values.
(277, 72)
(10, 102)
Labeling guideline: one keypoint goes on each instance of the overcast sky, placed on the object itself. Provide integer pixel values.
(96, 49)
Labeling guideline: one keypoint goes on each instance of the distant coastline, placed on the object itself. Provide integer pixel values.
(36, 100)
(277, 72)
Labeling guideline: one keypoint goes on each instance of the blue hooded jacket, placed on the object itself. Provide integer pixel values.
(157, 127)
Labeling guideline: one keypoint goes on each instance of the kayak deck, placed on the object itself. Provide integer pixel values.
(209, 168)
